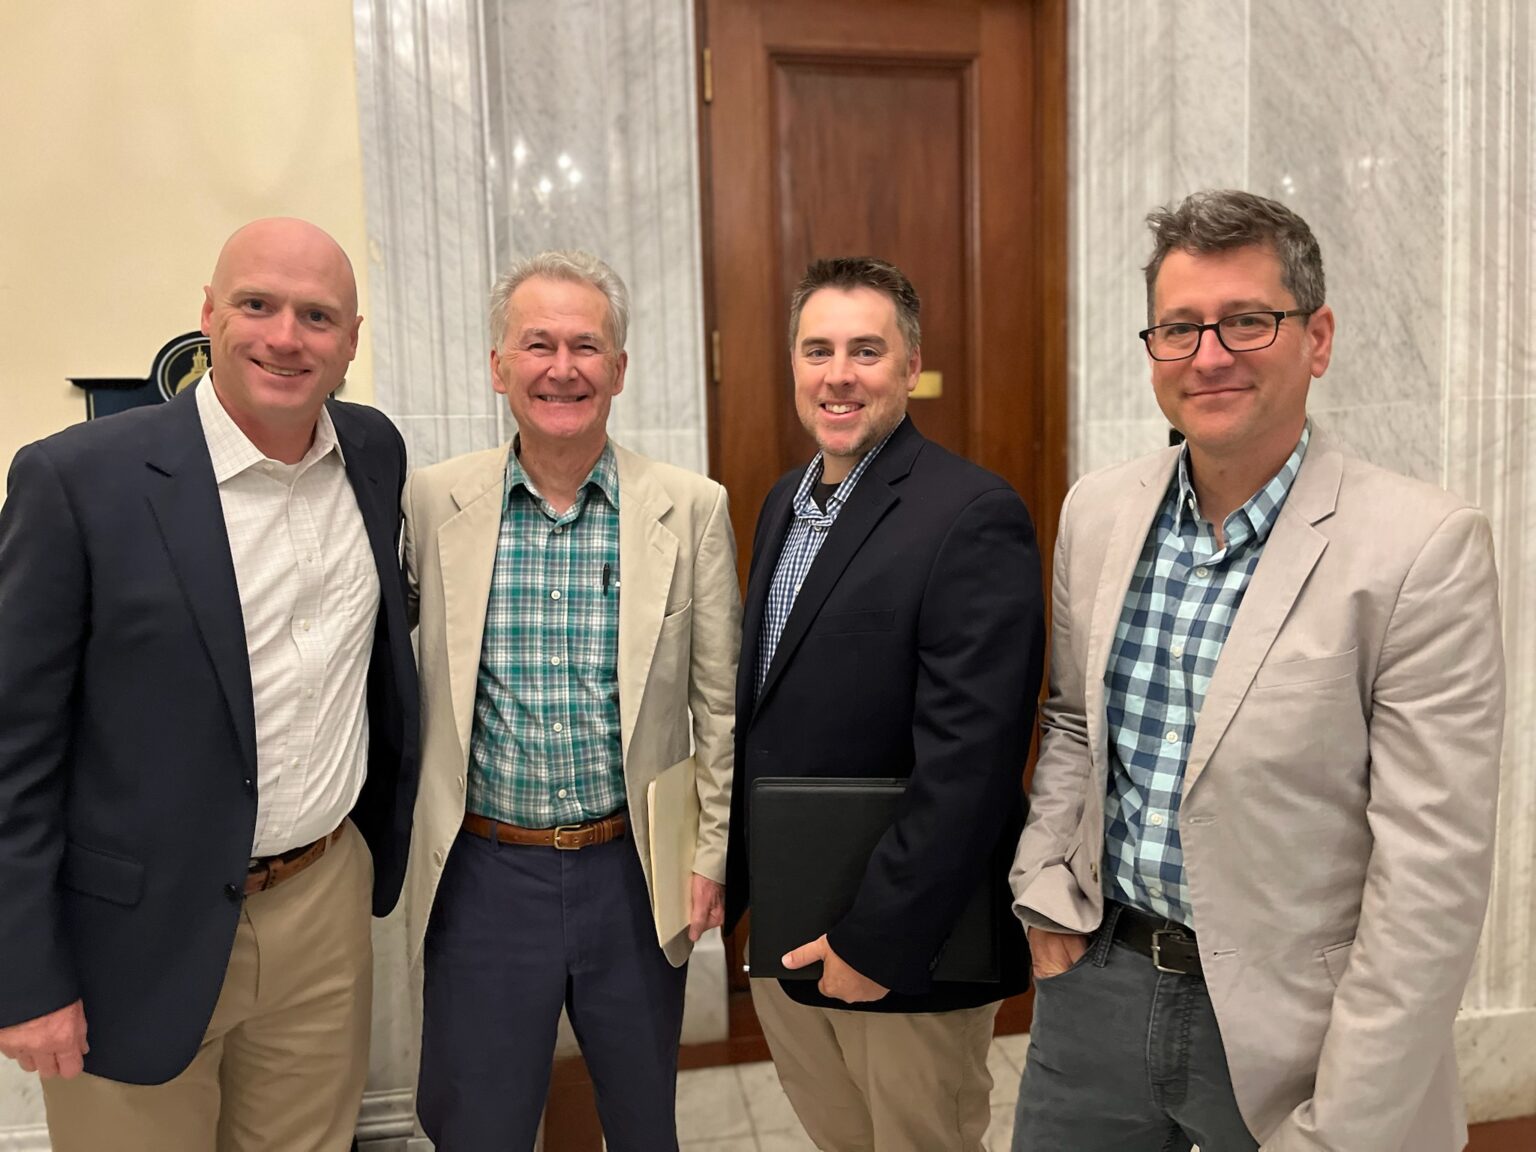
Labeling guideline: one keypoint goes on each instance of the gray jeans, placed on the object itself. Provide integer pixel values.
(1124, 1058)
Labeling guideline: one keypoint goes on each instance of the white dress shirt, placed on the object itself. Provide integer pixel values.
(309, 595)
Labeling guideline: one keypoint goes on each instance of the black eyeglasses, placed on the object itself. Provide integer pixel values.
(1242, 332)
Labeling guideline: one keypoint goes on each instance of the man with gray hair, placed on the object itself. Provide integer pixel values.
(579, 620)
(1261, 825)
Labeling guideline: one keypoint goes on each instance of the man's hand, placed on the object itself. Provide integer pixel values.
(706, 906)
(1052, 953)
(51, 1045)
(838, 979)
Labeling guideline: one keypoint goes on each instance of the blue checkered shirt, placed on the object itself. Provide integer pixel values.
(1182, 601)
(545, 749)
(807, 533)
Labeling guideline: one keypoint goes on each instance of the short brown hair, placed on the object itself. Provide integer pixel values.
(1217, 220)
(849, 272)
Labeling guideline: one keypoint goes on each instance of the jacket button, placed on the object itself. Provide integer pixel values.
(250, 785)
(234, 891)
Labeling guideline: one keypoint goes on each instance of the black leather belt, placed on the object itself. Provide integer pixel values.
(1171, 946)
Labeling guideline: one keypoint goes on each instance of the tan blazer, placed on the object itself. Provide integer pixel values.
(1338, 807)
(679, 632)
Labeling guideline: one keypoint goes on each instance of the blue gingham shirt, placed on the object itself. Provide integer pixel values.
(545, 748)
(1179, 609)
(807, 533)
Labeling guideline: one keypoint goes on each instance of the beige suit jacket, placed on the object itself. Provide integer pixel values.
(1338, 807)
(679, 633)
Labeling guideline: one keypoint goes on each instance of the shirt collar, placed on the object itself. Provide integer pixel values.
(604, 475)
(806, 508)
(1257, 517)
(231, 450)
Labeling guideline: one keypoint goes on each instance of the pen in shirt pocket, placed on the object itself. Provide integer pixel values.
(608, 578)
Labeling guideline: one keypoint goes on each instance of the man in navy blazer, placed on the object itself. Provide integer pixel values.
(893, 628)
(206, 693)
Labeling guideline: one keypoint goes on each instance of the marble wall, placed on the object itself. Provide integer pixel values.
(1403, 131)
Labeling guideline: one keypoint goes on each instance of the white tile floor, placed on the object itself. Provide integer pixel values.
(743, 1109)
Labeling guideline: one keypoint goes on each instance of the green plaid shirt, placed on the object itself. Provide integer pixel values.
(545, 749)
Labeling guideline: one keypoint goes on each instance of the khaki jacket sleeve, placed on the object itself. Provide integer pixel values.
(716, 644)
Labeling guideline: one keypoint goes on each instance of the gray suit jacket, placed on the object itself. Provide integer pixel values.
(1339, 800)
(679, 633)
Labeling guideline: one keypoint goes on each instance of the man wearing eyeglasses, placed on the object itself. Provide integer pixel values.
(1261, 825)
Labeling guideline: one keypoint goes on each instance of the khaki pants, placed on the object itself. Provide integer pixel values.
(282, 1065)
(897, 1082)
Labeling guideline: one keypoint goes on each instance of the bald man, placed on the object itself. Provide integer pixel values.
(208, 728)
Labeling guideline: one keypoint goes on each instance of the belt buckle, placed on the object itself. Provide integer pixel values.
(1157, 949)
(566, 847)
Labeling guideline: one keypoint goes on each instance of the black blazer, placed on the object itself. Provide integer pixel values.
(914, 649)
(127, 729)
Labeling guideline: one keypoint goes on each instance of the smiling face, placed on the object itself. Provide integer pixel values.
(1232, 406)
(281, 318)
(557, 365)
(853, 374)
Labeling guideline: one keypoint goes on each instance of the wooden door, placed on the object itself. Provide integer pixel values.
(931, 133)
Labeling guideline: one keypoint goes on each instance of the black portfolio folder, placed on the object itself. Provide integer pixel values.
(811, 839)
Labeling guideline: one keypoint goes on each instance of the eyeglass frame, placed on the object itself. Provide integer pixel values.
(1277, 314)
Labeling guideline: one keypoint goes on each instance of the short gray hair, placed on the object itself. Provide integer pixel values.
(571, 265)
(1217, 220)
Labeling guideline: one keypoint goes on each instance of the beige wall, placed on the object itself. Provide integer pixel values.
(135, 138)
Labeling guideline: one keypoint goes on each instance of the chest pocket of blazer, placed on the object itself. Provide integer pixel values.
(846, 623)
(1314, 671)
(95, 873)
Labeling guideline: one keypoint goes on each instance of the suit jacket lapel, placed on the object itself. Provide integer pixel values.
(184, 499)
(872, 498)
(768, 542)
(1290, 554)
(1133, 521)
(647, 554)
(466, 549)
(380, 510)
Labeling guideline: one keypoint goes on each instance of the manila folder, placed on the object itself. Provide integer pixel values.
(672, 803)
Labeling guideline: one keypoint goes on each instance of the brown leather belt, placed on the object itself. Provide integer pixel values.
(566, 837)
(269, 871)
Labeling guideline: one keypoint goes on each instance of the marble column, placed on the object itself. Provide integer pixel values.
(1402, 130)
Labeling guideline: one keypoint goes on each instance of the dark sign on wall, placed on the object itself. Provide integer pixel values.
(180, 364)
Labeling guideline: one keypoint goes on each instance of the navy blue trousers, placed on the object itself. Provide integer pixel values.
(517, 932)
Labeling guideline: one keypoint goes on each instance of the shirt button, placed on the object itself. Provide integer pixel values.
(555, 660)
(1155, 889)
(559, 727)
(1178, 651)
(309, 693)
(555, 595)
(559, 528)
(1173, 737)
(1156, 819)
(797, 589)
(561, 793)
(304, 624)
(294, 763)
(1202, 572)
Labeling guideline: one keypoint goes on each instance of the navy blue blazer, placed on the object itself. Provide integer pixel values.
(914, 649)
(127, 729)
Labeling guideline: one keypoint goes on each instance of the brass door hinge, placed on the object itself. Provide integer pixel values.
(709, 77)
(714, 356)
